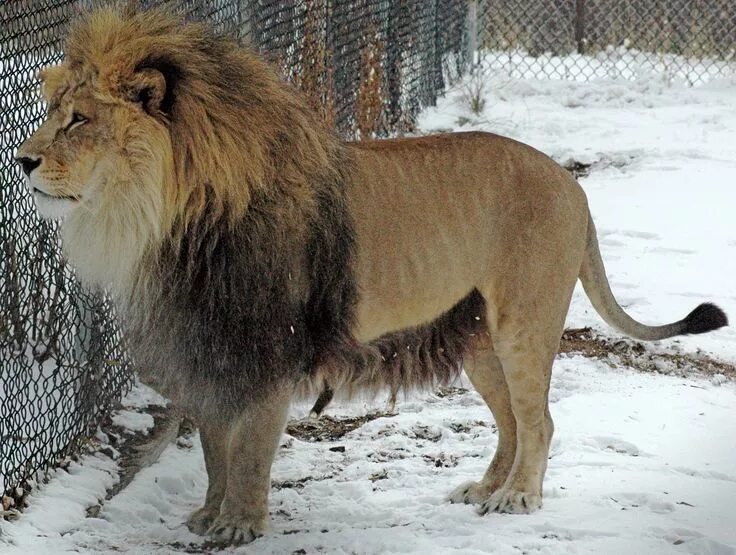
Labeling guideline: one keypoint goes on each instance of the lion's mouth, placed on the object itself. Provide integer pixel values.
(44, 194)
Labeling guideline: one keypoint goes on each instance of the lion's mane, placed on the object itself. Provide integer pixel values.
(251, 282)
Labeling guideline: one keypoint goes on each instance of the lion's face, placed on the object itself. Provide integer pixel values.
(70, 160)
(101, 161)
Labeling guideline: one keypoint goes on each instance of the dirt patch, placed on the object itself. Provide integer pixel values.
(443, 460)
(297, 484)
(329, 428)
(577, 169)
(450, 391)
(396, 454)
(633, 354)
(429, 433)
(580, 169)
(466, 427)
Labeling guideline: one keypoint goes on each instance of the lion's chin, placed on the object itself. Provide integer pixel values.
(54, 208)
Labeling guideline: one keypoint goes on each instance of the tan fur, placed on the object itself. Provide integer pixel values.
(434, 219)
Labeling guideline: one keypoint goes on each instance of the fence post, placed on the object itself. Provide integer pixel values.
(473, 30)
(580, 25)
(245, 23)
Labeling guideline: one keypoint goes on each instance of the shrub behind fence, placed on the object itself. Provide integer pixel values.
(368, 66)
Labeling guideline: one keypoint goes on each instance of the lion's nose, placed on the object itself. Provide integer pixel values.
(28, 164)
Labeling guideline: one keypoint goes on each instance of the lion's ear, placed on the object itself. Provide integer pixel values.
(52, 79)
(154, 85)
(148, 88)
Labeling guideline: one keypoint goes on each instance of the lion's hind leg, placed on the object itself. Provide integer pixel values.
(526, 339)
(324, 399)
(484, 370)
(527, 372)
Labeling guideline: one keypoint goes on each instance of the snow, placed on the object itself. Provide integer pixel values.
(640, 463)
(133, 421)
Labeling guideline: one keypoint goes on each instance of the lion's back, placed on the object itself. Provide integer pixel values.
(461, 161)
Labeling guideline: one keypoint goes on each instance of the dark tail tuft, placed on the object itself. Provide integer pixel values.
(706, 317)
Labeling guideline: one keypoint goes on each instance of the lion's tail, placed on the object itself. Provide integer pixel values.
(705, 317)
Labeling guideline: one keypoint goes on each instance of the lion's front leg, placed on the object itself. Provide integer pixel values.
(253, 439)
(214, 446)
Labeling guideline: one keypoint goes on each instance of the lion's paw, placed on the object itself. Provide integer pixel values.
(507, 500)
(234, 530)
(471, 493)
(201, 520)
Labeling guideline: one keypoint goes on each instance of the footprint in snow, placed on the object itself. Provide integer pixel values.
(692, 541)
(642, 501)
(617, 446)
(605, 234)
(666, 250)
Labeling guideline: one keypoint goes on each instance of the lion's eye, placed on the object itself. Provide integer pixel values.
(77, 120)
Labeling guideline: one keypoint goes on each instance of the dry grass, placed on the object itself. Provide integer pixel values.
(370, 101)
(473, 95)
(635, 355)
(328, 428)
(316, 76)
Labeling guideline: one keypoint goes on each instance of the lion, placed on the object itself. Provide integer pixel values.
(253, 257)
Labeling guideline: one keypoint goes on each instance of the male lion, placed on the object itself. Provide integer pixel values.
(252, 254)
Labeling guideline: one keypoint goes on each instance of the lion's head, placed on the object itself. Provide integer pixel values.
(151, 123)
(96, 139)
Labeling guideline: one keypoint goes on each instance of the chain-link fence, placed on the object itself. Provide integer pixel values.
(688, 40)
(368, 65)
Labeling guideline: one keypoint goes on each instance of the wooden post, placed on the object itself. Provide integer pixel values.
(580, 25)
(473, 30)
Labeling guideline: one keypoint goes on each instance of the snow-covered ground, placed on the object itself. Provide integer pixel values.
(640, 463)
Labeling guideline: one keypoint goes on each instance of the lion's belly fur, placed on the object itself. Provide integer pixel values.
(386, 285)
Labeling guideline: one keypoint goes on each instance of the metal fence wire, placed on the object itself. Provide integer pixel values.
(692, 41)
(368, 66)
